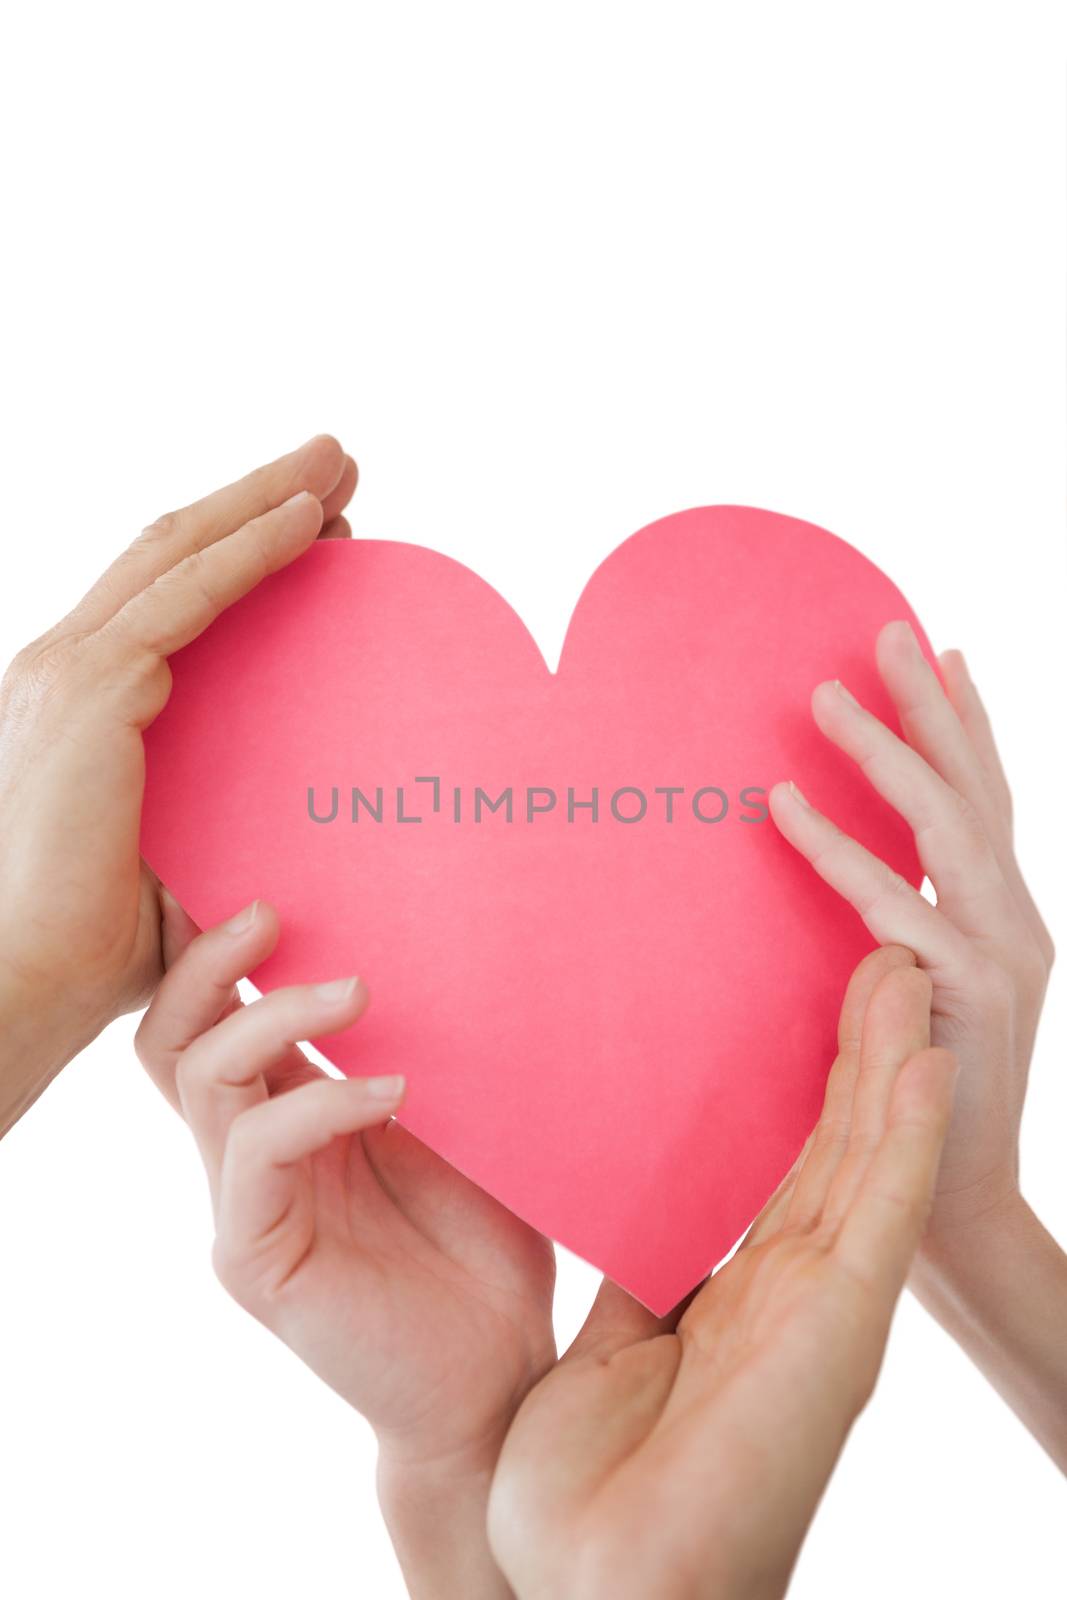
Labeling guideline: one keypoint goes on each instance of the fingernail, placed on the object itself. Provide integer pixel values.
(384, 1088)
(846, 694)
(909, 634)
(294, 499)
(337, 991)
(243, 920)
(795, 792)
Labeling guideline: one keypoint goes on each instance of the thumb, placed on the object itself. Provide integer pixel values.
(617, 1320)
(177, 928)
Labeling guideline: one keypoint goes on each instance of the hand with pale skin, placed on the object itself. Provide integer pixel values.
(988, 1269)
(81, 916)
(418, 1298)
(683, 1458)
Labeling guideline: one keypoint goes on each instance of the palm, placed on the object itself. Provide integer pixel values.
(763, 1374)
(694, 1424)
(444, 1298)
(769, 1302)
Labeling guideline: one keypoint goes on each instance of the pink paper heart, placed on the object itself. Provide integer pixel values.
(620, 1028)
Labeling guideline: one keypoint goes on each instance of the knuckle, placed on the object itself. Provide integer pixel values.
(229, 1270)
(966, 821)
(995, 986)
(37, 671)
(888, 885)
(1033, 966)
(832, 1133)
(261, 551)
(162, 529)
(242, 1137)
(196, 571)
(142, 1043)
(191, 1072)
(184, 1075)
(893, 882)
(22, 661)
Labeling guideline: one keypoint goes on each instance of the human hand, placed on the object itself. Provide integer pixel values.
(984, 944)
(417, 1297)
(987, 1269)
(80, 915)
(685, 1457)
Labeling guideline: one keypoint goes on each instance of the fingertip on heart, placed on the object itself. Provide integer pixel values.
(789, 807)
(256, 926)
(834, 706)
(342, 992)
(341, 1003)
(787, 794)
(824, 703)
(897, 647)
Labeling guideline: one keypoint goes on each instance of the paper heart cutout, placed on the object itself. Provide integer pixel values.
(619, 1028)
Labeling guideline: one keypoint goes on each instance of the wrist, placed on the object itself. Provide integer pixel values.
(964, 1227)
(1001, 1293)
(37, 1039)
(963, 1271)
(434, 1507)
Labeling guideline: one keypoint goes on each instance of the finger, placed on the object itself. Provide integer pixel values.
(339, 528)
(953, 846)
(974, 719)
(181, 603)
(929, 723)
(892, 910)
(338, 497)
(267, 1143)
(774, 1213)
(319, 468)
(933, 728)
(896, 1027)
(199, 988)
(881, 1231)
(223, 1072)
(177, 928)
(615, 1321)
(827, 1144)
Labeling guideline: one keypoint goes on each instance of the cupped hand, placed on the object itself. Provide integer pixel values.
(80, 915)
(685, 1457)
(984, 944)
(410, 1291)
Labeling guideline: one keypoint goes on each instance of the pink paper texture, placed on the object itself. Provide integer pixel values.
(621, 1029)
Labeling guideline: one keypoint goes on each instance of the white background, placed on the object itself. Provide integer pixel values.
(550, 272)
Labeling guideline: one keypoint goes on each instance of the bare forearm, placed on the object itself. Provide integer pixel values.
(436, 1519)
(36, 1042)
(1003, 1298)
